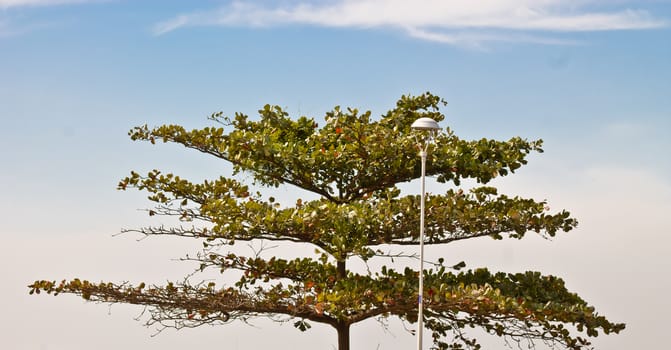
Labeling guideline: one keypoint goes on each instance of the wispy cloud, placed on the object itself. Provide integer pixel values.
(11, 26)
(19, 3)
(457, 22)
(478, 40)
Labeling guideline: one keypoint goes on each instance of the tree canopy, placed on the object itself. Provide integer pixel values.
(353, 163)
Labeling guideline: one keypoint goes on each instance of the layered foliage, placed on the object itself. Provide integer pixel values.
(354, 164)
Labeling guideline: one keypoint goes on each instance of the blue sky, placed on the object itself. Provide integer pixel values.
(592, 78)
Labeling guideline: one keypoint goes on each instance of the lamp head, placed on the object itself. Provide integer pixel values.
(425, 123)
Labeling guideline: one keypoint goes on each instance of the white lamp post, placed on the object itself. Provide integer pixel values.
(430, 127)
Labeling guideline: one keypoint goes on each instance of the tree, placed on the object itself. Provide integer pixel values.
(353, 164)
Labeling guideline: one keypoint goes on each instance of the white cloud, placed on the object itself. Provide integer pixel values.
(475, 39)
(431, 20)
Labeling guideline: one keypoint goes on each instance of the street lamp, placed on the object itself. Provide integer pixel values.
(430, 128)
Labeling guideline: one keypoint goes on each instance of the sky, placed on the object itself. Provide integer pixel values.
(592, 78)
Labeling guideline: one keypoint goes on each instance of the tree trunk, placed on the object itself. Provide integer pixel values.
(341, 271)
(342, 327)
(343, 335)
